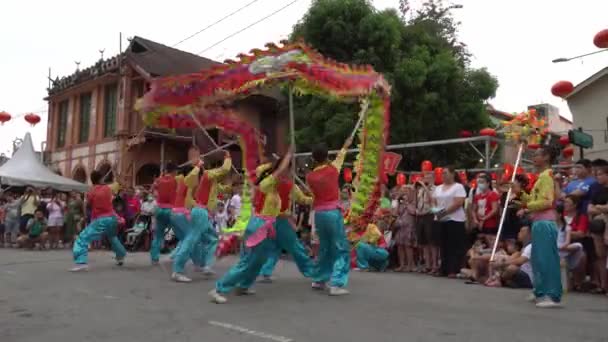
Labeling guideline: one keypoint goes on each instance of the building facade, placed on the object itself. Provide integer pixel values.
(589, 106)
(92, 124)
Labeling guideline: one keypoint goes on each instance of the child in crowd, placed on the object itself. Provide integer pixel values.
(36, 232)
(571, 253)
(220, 217)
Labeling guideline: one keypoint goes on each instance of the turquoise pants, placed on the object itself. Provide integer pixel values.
(334, 250)
(287, 239)
(205, 254)
(163, 221)
(244, 273)
(181, 227)
(99, 227)
(371, 256)
(191, 245)
(545, 261)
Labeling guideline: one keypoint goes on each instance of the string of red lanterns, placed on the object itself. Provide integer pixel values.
(31, 118)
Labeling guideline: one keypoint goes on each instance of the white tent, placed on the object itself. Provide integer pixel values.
(25, 169)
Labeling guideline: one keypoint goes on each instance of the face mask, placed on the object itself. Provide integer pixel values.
(482, 186)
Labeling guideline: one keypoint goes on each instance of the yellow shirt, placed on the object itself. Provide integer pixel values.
(214, 176)
(299, 197)
(29, 205)
(272, 200)
(543, 193)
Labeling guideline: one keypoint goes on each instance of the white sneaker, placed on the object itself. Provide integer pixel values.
(180, 278)
(216, 297)
(208, 271)
(155, 262)
(120, 262)
(245, 292)
(318, 286)
(338, 291)
(531, 298)
(80, 268)
(548, 303)
(266, 280)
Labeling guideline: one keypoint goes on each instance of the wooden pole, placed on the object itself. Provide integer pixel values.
(504, 209)
(292, 129)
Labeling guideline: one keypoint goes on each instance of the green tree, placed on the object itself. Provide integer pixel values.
(435, 92)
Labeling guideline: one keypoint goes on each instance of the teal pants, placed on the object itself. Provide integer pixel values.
(99, 227)
(163, 221)
(287, 240)
(205, 254)
(369, 256)
(244, 273)
(333, 263)
(191, 245)
(545, 261)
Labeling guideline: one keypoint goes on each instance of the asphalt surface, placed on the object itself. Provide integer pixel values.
(41, 301)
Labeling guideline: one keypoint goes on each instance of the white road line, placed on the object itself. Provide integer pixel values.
(250, 332)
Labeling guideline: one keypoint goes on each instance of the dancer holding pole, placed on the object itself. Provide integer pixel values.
(166, 187)
(334, 250)
(258, 236)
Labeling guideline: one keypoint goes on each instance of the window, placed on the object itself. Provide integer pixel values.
(110, 105)
(85, 116)
(63, 123)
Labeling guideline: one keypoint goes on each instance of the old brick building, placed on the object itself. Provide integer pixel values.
(92, 124)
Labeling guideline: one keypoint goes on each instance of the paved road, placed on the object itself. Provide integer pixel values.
(40, 301)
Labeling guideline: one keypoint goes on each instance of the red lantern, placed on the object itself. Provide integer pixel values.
(601, 39)
(348, 175)
(568, 152)
(532, 178)
(401, 179)
(488, 132)
(438, 175)
(426, 166)
(520, 170)
(4, 117)
(415, 178)
(494, 176)
(508, 170)
(466, 134)
(462, 175)
(533, 146)
(473, 183)
(562, 89)
(564, 140)
(32, 119)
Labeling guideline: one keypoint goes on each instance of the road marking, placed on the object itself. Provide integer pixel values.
(250, 332)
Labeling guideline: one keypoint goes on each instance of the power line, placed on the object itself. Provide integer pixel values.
(247, 27)
(217, 22)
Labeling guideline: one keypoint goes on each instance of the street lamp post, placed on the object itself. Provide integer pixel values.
(563, 59)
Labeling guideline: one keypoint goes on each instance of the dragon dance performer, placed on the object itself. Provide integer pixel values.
(104, 221)
(166, 188)
(371, 250)
(334, 250)
(181, 221)
(286, 238)
(257, 240)
(201, 241)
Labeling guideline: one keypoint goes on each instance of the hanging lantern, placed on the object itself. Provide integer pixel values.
(601, 39)
(534, 146)
(462, 175)
(494, 176)
(438, 175)
(564, 140)
(519, 171)
(562, 89)
(532, 178)
(415, 178)
(426, 166)
(568, 152)
(4, 117)
(465, 134)
(32, 119)
(488, 132)
(348, 175)
(401, 179)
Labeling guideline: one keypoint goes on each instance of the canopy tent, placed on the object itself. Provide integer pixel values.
(25, 169)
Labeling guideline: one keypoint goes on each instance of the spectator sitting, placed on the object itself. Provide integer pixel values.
(571, 252)
(518, 269)
(36, 228)
(371, 250)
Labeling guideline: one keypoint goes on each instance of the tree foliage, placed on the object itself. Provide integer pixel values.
(435, 91)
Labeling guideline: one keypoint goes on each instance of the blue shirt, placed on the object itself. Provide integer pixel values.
(584, 185)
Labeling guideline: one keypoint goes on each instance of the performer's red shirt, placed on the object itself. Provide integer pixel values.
(203, 190)
(324, 184)
(99, 198)
(166, 187)
(284, 189)
(180, 193)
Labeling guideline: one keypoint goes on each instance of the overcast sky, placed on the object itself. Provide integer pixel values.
(516, 40)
